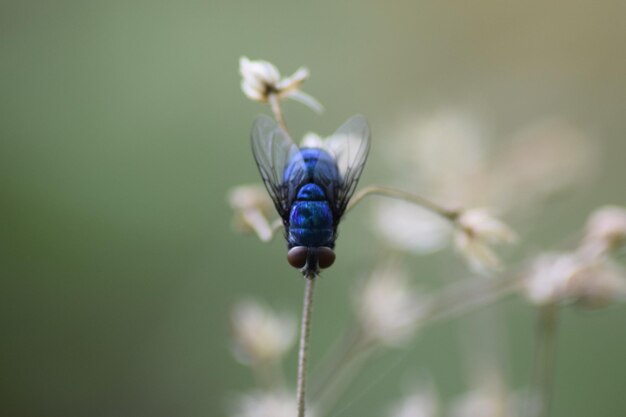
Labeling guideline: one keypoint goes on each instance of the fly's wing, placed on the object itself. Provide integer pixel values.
(273, 150)
(349, 145)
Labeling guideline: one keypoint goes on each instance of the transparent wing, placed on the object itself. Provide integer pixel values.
(273, 150)
(349, 145)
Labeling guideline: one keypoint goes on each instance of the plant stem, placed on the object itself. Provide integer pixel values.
(544, 361)
(449, 214)
(278, 114)
(334, 360)
(453, 301)
(305, 330)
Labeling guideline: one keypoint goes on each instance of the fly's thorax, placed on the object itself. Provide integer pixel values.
(310, 164)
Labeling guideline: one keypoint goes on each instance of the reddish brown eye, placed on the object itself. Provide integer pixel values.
(297, 256)
(325, 257)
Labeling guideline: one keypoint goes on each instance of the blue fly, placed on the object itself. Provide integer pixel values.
(310, 186)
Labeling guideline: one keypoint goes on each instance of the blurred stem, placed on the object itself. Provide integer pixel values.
(331, 392)
(305, 330)
(336, 357)
(451, 302)
(459, 299)
(544, 361)
(451, 215)
(278, 114)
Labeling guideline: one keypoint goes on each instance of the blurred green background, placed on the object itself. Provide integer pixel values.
(122, 128)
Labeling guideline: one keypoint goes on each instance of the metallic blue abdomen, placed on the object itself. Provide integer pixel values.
(311, 219)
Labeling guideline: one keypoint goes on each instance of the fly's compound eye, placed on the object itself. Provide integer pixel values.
(297, 256)
(325, 257)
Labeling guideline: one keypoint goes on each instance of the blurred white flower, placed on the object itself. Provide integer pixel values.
(486, 401)
(267, 404)
(603, 284)
(422, 402)
(563, 277)
(261, 78)
(252, 208)
(260, 335)
(605, 230)
(387, 308)
(409, 227)
(476, 229)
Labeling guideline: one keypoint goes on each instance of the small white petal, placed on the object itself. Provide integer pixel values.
(409, 227)
(305, 99)
(606, 229)
(480, 257)
(476, 228)
(293, 82)
(252, 93)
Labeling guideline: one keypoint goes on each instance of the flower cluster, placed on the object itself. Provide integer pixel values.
(447, 157)
(586, 275)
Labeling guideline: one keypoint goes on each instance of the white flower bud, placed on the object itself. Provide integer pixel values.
(261, 78)
(606, 230)
(563, 277)
(476, 230)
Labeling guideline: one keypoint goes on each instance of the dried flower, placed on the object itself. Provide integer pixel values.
(387, 308)
(262, 79)
(571, 277)
(252, 208)
(476, 230)
(606, 230)
(260, 335)
(421, 403)
(267, 404)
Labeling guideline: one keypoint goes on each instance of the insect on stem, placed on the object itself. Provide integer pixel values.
(305, 330)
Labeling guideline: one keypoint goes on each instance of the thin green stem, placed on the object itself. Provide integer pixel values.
(544, 361)
(336, 358)
(453, 301)
(278, 114)
(305, 330)
(450, 214)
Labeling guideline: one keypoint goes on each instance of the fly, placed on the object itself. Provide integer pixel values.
(310, 186)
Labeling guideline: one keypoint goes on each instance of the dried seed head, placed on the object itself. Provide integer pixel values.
(571, 277)
(260, 79)
(605, 230)
(476, 230)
